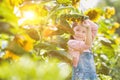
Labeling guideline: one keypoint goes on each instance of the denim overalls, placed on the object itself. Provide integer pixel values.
(85, 69)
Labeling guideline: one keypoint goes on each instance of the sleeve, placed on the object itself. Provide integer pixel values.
(77, 45)
(94, 28)
(94, 32)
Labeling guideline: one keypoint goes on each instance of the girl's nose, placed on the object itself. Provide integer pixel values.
(80, 33)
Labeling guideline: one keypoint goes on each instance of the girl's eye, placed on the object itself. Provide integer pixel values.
(77, 30)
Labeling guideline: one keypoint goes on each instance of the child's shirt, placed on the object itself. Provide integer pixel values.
(75, 48)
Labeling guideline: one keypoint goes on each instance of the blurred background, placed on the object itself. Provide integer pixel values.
(34, 35)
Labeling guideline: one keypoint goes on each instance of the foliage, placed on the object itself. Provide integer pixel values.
(112, 35)
(26, 68)
(40, 31)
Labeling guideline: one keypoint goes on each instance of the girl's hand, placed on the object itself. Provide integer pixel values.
(90, 24)
(94, 27)
(86, 24)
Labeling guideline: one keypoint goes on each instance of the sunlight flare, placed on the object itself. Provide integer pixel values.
(29, 15)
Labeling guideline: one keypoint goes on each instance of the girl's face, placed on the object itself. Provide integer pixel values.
(79, 32)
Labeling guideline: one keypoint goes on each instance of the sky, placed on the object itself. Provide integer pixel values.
(86, 4)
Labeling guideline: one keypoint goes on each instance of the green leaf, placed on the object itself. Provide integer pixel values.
(8, 16)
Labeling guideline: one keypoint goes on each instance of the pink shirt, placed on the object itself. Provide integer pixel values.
(76, 47)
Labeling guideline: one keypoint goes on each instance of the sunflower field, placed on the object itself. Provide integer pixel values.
(34, 35)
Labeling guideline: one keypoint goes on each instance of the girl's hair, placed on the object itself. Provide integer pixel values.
(71, 37)
(73, 25)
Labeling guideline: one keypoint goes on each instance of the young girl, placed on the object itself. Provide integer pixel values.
(79, 48)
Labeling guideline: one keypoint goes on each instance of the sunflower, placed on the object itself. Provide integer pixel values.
(75, 3)
(116, 25)
(25, 41)
(9, 54)
(117, 40)
(94, 14)
(112, 30)
(109, 12)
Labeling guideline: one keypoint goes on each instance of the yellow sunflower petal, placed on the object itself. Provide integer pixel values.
(25, 41)
(9, 54)
(116, 25)
(112, 30)
(117, 40)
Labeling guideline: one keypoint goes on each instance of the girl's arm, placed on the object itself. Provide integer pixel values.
(77, 45)
(91, 31)
(88, 40)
